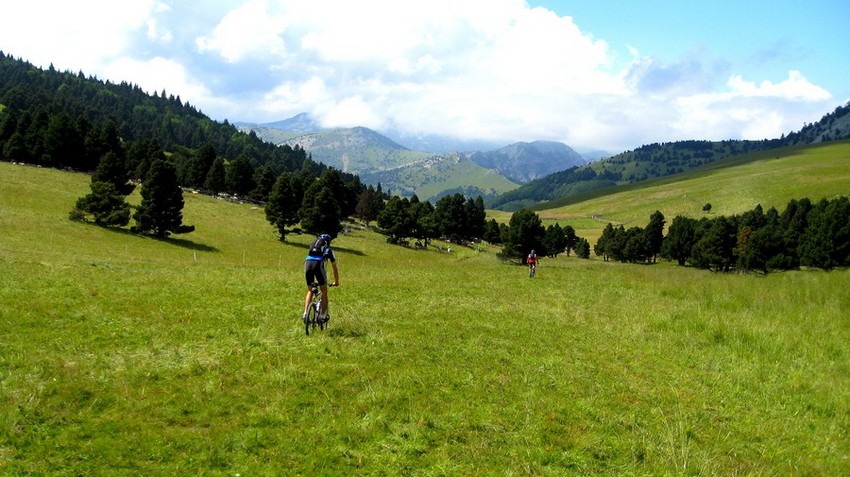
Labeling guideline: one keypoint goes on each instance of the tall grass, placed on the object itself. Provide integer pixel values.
(127, 355)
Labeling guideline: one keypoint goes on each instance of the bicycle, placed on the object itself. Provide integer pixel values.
(314, 312)
(531, 269)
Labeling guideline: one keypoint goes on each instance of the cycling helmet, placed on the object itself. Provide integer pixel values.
(325, 237)
(532, 251)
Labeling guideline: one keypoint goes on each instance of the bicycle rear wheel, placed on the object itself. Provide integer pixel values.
(312, 318)
(317, 310)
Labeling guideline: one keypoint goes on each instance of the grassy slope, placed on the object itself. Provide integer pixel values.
(429, 178)
(131, 355)
(732, 186)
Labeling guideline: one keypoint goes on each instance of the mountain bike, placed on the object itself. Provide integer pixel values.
(531, 269)
(314, 312)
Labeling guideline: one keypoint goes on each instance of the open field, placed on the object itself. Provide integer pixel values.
(132, 356)
(732, 186)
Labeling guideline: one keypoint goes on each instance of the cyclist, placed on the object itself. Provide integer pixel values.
(314, 271)
(532, 262)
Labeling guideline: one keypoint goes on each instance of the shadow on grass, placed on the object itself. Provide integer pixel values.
(185, 244)
(345, 333)
(336, 249)
(348, 250)
(180, 242)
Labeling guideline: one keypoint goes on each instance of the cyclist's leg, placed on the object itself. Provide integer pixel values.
(324, 289)
(323, 285)
(312, 273)
(308, 277)
(308, 299)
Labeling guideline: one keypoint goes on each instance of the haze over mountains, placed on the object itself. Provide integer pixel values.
(429, 166)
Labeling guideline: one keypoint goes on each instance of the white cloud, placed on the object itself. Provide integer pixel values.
(795, 88)
(290, 96)
(247, 30)
(481, 68)
(747, 110)
(161, 74)
(157, 34)
(490, 69)
(78, 36)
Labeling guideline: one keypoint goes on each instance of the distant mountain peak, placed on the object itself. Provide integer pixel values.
(303, 122)
(526, 161)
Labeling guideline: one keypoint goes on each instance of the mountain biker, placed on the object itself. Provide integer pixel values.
(314, 271)
(532, 262)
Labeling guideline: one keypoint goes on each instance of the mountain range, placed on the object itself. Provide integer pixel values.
(522, 174)
(448, 166)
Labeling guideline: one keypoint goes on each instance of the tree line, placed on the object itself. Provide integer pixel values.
(463, 220)
(124, 136)
(455, 217)
(66, 120)
(295, 202)
(804, 234)
(525, 232)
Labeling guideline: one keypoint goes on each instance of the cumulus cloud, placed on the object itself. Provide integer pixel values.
(247, 30)
(158, 74)
(795, 88)
(486, 69)
(747, 110)
(71, 35)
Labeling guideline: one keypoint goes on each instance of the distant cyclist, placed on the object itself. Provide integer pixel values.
(532, 262)
(314, 271)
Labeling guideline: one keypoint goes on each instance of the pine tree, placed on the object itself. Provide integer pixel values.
(200, 165)
(582, 248)
(265, 179)
(320, 211)
(395, 220)
(555, 240)
(369, 205)
(161, 210)
(655, 233)
(105, 204)
(602, 248)
(570, 239)
(680, 239)
(525, 233)
(240, 176)
(113, 169)
(492, 232)
(422, 215)
(281, 208)
(215, 180)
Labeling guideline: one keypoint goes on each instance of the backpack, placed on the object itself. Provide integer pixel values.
(318, 247)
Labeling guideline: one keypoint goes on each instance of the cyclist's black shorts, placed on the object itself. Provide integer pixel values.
(314, 270)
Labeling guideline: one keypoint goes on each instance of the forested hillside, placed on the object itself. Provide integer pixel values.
(660, 160)
(66, 120)
(125, 136)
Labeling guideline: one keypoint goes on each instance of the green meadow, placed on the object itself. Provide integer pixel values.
(732, 186)
(127, 355)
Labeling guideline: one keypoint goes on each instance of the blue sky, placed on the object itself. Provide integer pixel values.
(753, 38)
(610, 75)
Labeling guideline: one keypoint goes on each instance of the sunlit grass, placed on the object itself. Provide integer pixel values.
(128, 355)
(770, 178)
